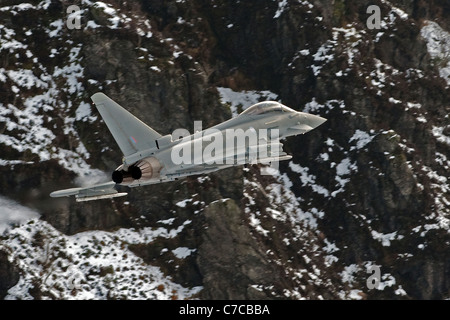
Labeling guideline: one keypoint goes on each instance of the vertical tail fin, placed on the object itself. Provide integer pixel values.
(130, 133)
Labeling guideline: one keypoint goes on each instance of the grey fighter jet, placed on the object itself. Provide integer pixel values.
(149, 157)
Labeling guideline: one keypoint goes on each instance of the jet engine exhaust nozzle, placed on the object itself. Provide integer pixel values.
(147, 168)
(118, 176)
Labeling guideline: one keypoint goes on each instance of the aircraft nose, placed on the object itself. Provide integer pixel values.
(311, 120)
(315, 121)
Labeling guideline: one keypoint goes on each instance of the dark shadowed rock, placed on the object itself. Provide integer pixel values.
(229, 259)
(369, 187)
(9, 274)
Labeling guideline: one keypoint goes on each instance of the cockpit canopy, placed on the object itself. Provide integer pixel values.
(266, 107)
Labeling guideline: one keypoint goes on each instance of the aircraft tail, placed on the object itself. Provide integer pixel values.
(130, 133)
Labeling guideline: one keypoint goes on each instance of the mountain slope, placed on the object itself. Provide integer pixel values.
(368, 189)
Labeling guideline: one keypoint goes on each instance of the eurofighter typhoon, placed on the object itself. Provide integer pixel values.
(149, 157)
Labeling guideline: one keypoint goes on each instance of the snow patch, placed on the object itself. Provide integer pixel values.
(385, 238)
(183, 203)
(308, 179)
(98, 264)
(314, 107)
(182, 252)
(362, 138)
(243, 99)
(323, 55)
(438, 133)
(438, 45)
(83, 113)
(281, 7)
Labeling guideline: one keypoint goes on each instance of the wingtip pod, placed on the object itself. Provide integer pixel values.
(100, 191)
(65, 193)
(105, 196)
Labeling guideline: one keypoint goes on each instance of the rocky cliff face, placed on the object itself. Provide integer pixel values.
(368, 190)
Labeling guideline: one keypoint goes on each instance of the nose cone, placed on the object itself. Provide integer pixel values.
(315, 121)
(304, 122)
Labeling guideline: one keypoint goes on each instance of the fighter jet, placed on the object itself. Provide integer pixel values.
(149, 157)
